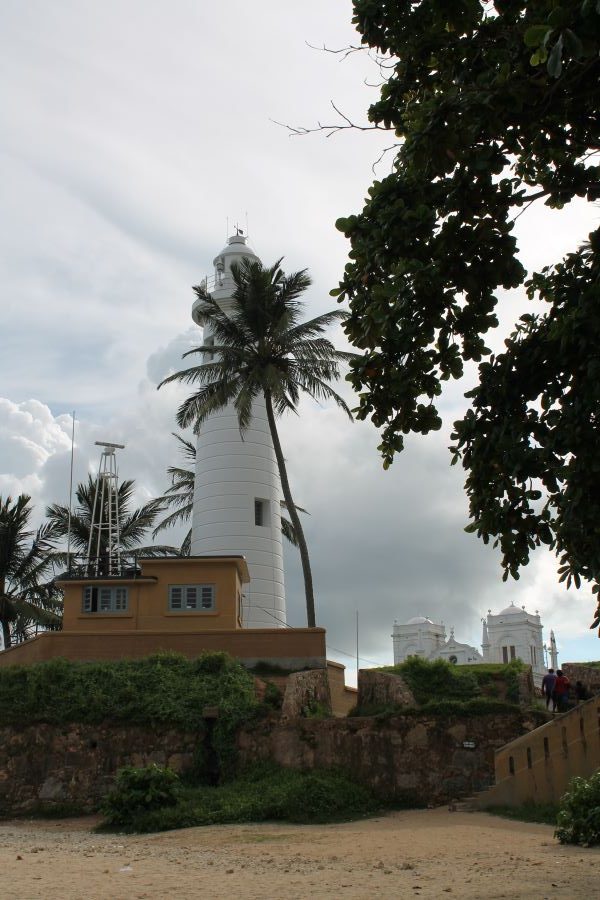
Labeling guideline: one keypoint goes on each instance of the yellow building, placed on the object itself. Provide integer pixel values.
(184, 604)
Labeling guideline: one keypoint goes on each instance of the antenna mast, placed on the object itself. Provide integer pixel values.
(104, 545)
(70, 496)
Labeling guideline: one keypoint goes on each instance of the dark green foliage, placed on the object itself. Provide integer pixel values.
(264, 793)
(544, 813)
(28, 599)
(273, 696)
(139, 790)
(439, 680)
(578, 819)
(478, 706)
(165, 688)
(493, 106)
(268, 668)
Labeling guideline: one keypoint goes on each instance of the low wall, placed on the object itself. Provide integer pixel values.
(415, 758)
(589, 676)
(75, 765)
(537, 767)
(289, 648)
(418, 758)
(383, 689)
(306, 693)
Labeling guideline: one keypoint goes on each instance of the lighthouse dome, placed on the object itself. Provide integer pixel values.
(237, 246)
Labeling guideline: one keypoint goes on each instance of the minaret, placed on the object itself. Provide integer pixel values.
(237, 488)
(553, 652)
(485, 641)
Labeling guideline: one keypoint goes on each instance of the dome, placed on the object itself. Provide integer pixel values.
(237, 245)
(419, 620)
(512, 610)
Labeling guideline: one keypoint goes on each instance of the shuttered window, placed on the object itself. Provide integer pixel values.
(104, 599)
(191, 597)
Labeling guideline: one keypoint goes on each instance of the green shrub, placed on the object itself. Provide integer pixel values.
(265, 792)
(136, 790)
(578, 820)
(478, 706)
(165, 688)
(439, 680)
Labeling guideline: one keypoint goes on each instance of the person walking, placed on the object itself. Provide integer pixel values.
(561, 691)
(548, 683)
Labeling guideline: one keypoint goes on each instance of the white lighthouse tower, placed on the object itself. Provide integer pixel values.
(237, 488)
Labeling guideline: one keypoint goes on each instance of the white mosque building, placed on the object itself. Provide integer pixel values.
(513, 633)
(237, 491)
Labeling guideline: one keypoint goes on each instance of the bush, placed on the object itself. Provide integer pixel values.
(578, 820)
(165, 688)
(149, 788)
(265, 792)
(440, 681)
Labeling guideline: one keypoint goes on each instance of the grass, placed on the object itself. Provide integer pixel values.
(543, 813)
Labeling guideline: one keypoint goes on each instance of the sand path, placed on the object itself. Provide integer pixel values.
(422, 853)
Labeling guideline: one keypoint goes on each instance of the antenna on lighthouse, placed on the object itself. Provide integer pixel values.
(104, 544)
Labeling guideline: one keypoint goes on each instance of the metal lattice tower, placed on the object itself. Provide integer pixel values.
(104, 545)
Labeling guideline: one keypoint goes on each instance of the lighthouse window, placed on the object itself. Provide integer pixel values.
(261, 512)
(104, 599)
(191, 597)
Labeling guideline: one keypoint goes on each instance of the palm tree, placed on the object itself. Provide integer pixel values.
(28, 599)
(180, 498)
(262, 349)
(134, 523)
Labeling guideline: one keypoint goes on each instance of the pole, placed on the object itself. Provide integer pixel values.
(70, 496)
(357, 646)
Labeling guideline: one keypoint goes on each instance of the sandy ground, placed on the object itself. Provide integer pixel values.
(423, 853)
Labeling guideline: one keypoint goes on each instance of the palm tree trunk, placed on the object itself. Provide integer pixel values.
(287, 494)
(6, 634)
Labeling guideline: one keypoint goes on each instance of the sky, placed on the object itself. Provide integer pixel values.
(133, 136)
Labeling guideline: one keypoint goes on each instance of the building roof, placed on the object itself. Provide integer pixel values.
(419, 620)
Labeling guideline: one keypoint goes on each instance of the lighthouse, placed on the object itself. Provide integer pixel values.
(237, 490)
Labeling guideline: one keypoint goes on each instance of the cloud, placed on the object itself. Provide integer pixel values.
(126, 142)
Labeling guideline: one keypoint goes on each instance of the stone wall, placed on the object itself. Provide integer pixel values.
(589, 676)
(526, 687)
(75, 765)
(417, 758)
(383, 689)
(306, 693)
